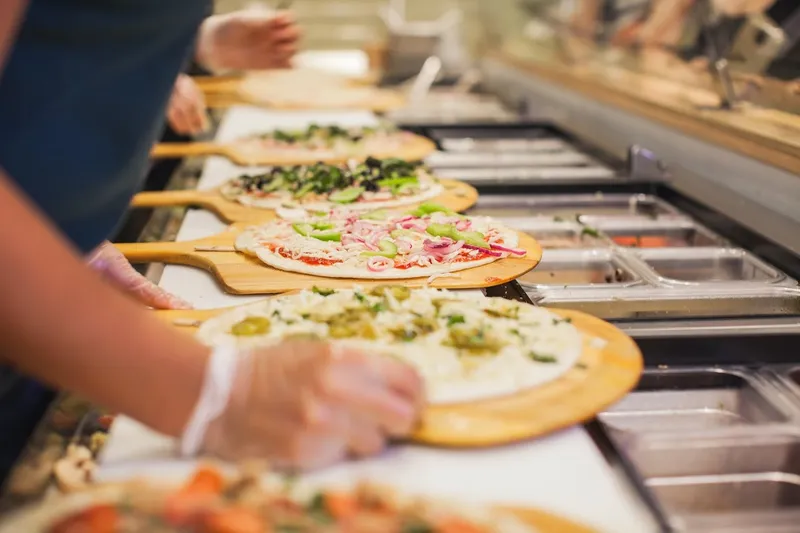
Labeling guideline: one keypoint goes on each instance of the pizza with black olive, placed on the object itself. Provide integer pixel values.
(465, 346)
(373, 184)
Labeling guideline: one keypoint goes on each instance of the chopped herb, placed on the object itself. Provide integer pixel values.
(305, 316)
(416, 525)
(316, 509)
(360, 297)
(557, 321)
(539, 358)
(558, 219)
(377, 308)
(581, 366)
(591, 232)
(515, 332)
(455, 319)
(322, 292)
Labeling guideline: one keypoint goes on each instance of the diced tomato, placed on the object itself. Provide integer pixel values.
(206, 480)
(457, 525)
(234, 520)
(341, 506)
(641, 241)
(97, 519)
(105, 421)
(194, 497)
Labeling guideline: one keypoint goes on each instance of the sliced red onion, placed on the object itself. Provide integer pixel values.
(418, 225)
(379, 263)
(513, 251)
(445, 247)
(405, 218)
(484, 250)
(403, 246)
(349, 238)
(463, 224)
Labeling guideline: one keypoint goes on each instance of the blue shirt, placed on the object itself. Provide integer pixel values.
(82, 99)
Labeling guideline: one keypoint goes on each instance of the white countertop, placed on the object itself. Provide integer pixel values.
(563, 473)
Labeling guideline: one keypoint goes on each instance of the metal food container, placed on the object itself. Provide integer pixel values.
(650, 303)
(580, 268)
(582, 207)
(469, 144)
(698, 400)
(655, 234)
(709, 265)
(493, 175)
(724, 483)
(488, 159)
(557, 235)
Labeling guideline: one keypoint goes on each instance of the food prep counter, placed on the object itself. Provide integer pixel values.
(706, 442)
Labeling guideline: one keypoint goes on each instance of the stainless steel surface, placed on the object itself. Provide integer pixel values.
(709, 265)
(572, 206)
(696, 400)
(468, 144)
(655, 234)
(588, 268)
(557, 235)
(484, 159)
(665, 304)
(724, 483)
(722, 179)
(487, 176)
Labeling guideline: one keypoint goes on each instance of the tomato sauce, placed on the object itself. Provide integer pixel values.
(317, 261)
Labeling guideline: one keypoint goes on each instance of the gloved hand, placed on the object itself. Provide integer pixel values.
(247, 40)
(302, 404)
(107, 260)
(186, 111)
(737, 8)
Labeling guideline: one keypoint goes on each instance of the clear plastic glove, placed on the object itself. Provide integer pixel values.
(737, 8)
(115, 268)
(186, 111)
(302, 404)
(247, 40)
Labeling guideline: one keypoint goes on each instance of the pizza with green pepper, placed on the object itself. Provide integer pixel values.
(373, 184)
(428, 241)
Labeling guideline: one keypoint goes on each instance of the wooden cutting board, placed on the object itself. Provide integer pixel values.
(241, 274)
(602, 376)
(457, 196)
(417, 149)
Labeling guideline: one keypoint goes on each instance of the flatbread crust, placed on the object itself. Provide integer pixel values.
(518, 346)
(266, 242)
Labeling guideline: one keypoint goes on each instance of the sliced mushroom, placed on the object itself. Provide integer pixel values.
(75, 470)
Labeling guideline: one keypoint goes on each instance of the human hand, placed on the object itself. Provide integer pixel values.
(247, 40)
(186, 111)
(107, 260)
(306, 404)
(738, 8)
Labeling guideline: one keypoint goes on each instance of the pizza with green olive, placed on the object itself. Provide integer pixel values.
(465, 346)
(373, 184)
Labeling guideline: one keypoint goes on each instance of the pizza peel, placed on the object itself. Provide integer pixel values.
(602, 376)
(242, 274)
(416, 148)
(457, 196)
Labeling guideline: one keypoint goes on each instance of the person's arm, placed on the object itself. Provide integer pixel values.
(60, 323)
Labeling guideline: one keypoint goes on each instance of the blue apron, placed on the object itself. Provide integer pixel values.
(82, 99)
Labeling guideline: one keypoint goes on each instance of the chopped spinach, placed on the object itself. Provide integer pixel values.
(539, 358)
